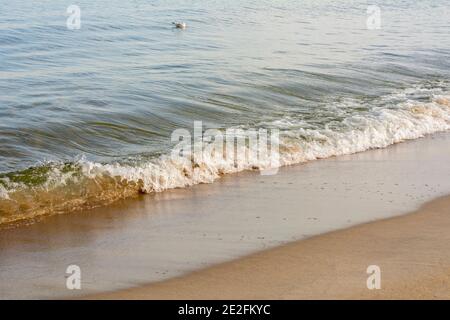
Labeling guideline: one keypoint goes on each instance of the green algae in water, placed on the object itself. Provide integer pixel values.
(36, 176)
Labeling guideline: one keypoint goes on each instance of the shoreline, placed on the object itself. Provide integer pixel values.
(85, 185)
(230, 151)
(158, 237)
(329, 266)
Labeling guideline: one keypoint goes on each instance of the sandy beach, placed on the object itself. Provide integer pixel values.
(221, 150)
(412, 252)
(158, 243)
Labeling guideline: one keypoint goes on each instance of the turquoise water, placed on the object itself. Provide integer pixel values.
(86, 115)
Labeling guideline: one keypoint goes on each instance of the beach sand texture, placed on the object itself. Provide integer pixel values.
(412, 251)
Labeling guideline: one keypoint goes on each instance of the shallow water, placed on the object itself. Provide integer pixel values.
(163, 235)
(91, 111)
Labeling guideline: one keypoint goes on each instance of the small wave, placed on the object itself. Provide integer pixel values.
(83, 184)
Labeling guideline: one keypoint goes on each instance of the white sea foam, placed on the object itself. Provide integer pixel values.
(3, 193)
(378, 127)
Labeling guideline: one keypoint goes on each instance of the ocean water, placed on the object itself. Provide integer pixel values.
(86, 115)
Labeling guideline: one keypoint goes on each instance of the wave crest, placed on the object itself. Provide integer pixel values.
(83, 184)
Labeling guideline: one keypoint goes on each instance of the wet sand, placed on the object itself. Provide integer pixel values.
(157, 237)
(412, 252)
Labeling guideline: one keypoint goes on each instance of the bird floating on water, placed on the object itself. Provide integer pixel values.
(179, 25)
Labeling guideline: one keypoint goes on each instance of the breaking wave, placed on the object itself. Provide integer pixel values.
(55, 188)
